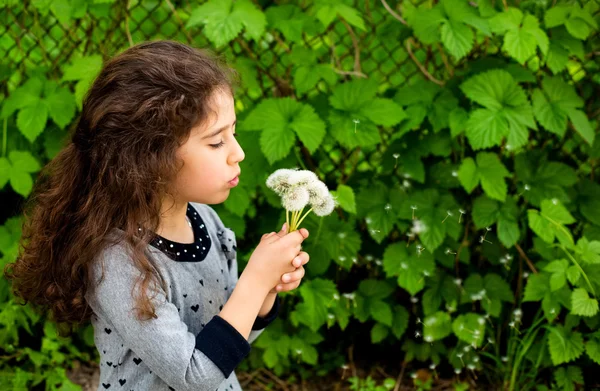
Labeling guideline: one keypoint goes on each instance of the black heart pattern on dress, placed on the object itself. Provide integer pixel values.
(171, 389)
(109, 363)
(106, 386)
(122, 381)
(220, 307)
(185, 295)
(195, 307)
(202, 282)
(108, 331)
(137, 361)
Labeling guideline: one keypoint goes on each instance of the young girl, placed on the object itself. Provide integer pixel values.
(118, 230)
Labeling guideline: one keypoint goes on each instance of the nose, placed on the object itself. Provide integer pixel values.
(237, 154)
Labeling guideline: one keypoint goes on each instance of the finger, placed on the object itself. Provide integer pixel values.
(267, 236)
(282, 232)
(301, 259)
(297, 237)
(296, 275)
(287, 287)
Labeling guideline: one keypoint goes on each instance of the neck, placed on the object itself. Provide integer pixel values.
(173, 223)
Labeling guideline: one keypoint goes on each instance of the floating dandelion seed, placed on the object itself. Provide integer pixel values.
(454, 173)
(476, 359)
(354, 260)
(504, 359)
(458, 281)
(330, 316)
(418, 321)
(336, 296)
(462, 212)
(406, 175)
(457, 371)
(467, 349)
(403, 265)
(471, 367)
(448, 251)
(420, 249)
(525, 188)
(414, 299)
(525, 275)
(387, 207)
(429, 338)
(356, 122)
(396, 156)
(417, 334)
(405, 184)
(378, 262)
(448, 214)
(483, 239)
(554, 201)
(413, 375)
(342, 235)
(413, 207)
(432, 366)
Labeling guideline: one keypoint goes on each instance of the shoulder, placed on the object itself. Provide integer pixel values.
(209, 215)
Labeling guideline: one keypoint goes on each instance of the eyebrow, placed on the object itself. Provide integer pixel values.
(219, 130)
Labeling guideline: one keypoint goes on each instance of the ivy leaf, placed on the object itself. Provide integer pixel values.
(20, 165)
(582, 304)
(225, 19)
(564, 345)
(558, 270)
(381, 312)
(556, 102)
(317, 295)
(568, 378)
(279, 120)
(379, 332)
(507, 111)
(410, 269)
(522, 34)
(592, 348)
(83, 70)
(489, 171)
(345, 197)
(469, 328)
(548, 223)
(457, 38)
(589, 251)
(61, 105)
(437, 326)
(578, 21)
(327, 10)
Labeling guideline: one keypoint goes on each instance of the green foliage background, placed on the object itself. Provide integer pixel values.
(461, 139)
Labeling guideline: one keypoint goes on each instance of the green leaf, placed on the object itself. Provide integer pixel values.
(24, 161)
(426, 22)
(379, 332)
(309, 128)
(508, 232)
(468, 175)
(485, 211)
(558, 269)
(400, 322)
(238, 201)
(61, 105)
(381, 312)
(5, 169)
(317, 295)
(536, 288)
(383, 112)
(437, 326)
(522, 34)
(507, 111)
(345, 197)
(469, 328)
(582, 304)
(410, 268)
(567, 378)
(582, 125)
(589, 251)
(592, 348)
(31, 120)
(492, 173)
(564, 345)
(457, 38)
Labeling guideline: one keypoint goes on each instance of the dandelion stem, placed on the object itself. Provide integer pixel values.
(303, 217)
(287, 218)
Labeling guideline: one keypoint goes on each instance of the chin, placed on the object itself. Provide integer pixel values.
(217, 199)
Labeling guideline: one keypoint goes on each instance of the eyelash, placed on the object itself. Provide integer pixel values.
(219, 145)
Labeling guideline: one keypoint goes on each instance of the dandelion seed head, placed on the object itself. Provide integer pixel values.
(413, 207)
(428, 338)
(459, 355)
(342, 258)
(462, 212)
(488, 229)
(481, 321)
(295, 199)
(471, 367)
(458, 281)
(387, 207)
(476, 359)
(527, 187)
(325, 208)
(378, 262)
(454, 173)
(417, 334)
(413, 375)
(356, 121)
(449, 213)
(457, 371)
(396, 155)
(403, 265)
(414, 299)
(405, 184)
(525, 274)
(342, 235)
(518, 313)
(336, 296)
(330, 316)
(406, 175)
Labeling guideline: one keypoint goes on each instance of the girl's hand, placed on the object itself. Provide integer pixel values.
(291, 281)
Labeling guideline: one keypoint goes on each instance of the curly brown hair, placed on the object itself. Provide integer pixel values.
(114, 173)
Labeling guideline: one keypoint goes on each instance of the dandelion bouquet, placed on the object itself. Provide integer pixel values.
(299, 188)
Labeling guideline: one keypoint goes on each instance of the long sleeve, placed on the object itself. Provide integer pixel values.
(228, 245)
(183, 360)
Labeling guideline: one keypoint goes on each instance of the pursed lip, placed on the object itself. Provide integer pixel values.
(238, 174)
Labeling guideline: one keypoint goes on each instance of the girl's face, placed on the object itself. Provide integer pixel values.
(211, 156)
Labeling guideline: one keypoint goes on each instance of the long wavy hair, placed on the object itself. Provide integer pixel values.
(114, 173)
